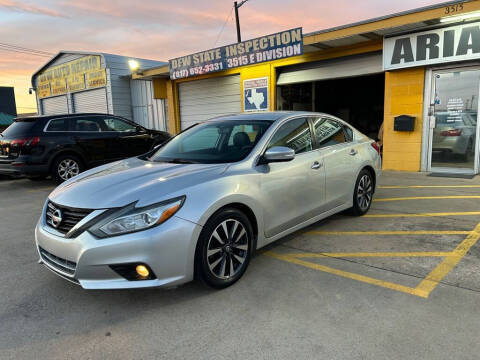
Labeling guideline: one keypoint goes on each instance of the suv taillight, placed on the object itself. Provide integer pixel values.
(452, 132)
(376, 147)
(29, 141)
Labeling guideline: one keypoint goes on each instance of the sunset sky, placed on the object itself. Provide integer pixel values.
(157, 29)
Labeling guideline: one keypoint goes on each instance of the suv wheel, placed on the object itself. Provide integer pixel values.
(65, 167)
(363, 194)
(224, 248)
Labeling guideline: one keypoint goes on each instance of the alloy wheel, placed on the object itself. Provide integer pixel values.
(364, 192)
(227, 249)
(67, 169)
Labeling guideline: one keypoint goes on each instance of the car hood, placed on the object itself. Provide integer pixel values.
(123, 182)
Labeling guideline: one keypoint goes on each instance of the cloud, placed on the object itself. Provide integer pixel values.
(26, 8)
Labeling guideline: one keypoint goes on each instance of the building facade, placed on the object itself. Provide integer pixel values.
(79, 82)
(417, 72)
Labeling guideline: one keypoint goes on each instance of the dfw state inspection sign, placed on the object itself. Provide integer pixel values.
(255, 94)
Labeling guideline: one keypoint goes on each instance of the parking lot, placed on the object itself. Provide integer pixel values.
(402, 282)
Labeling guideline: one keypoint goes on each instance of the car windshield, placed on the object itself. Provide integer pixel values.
(220, 141)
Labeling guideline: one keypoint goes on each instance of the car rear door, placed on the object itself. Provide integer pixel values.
(339, 154)
(294, 190)
(89, 139)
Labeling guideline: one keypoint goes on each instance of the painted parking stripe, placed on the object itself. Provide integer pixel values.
(393, 232)
(345, 274)
(426, 186)
(431, 281)
(465, 213)
(428, 198)
(372, 254)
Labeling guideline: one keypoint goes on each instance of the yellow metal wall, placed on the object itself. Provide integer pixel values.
(403, 96)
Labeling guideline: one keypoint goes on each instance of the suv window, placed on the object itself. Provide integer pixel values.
(58, 125)
(86, 125)
(295, 134)
(114, 124)
(328, 132)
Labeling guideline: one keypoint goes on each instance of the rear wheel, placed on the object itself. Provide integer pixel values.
(65, 167)
(224, 248)
(363, 194)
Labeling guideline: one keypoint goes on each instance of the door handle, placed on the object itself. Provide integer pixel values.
(316, 165)
(353, 152)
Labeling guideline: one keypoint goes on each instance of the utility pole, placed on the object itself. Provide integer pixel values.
(237, 6)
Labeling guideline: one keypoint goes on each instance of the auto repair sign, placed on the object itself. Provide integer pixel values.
(266, 48)
(454, 43)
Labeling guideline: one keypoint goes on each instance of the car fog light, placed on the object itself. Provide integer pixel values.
(142, 270)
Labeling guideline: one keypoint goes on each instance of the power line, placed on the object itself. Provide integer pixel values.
(24, 50)
(16, 47)
(223, 26)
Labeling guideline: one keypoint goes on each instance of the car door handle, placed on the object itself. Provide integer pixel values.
(316, 165)
(353, 152)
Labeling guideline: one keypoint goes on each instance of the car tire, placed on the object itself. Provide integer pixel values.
(363, 193)
(220, 265)
(65, 167)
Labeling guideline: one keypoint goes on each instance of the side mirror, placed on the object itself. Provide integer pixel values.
(278, 154)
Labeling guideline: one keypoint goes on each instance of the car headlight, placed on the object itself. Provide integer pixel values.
(137, 219)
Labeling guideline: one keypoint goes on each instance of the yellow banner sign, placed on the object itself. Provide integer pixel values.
(96, 79)
(76, 82)
(43, 90)
(75, 67)
(59, 87)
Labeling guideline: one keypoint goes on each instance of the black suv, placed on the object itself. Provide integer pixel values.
(65, 145)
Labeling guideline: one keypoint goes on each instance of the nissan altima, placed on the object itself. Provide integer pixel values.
(199, 205)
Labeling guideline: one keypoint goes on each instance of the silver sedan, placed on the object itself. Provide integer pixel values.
(198, 206)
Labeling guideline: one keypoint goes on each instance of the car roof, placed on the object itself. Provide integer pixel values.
(48, 117)
(268, 116)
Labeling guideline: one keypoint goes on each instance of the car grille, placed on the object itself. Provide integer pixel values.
(69, 217)
(59, 264)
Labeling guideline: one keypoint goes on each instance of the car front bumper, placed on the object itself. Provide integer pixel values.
(168, 249)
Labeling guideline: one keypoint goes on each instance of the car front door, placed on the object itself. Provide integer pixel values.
(128, 139)
(294, 191)
(339, 154)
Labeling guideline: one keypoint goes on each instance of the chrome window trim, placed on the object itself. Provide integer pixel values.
(87, 116)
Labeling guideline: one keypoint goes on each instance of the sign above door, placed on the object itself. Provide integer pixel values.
(449, 44)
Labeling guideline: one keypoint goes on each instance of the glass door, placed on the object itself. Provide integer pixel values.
(453, 121)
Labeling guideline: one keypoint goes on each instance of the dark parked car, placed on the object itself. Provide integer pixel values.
(64, 145)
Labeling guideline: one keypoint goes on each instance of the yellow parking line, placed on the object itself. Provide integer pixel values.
(431, 281)
(467, 213)
(346, 274)
(426, 186)
(393, 232)
(370, 254)
(428, 198)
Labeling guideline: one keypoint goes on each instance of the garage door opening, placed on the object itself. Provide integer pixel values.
(358, 100)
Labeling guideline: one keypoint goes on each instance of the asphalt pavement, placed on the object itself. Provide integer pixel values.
(402, 282)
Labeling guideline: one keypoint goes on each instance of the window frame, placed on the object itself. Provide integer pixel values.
(308, 118)
(317, 145)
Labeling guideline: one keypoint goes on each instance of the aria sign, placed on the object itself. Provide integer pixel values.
(455, 43)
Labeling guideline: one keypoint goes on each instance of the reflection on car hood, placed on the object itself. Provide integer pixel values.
(123, 182)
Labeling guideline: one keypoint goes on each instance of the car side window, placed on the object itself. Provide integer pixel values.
(57, 125)
(328, 132)
(85, 125)
(294, 134)
(348, 133)
(113, 124)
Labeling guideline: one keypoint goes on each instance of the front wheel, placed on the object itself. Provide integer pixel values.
(224, 248)
(363, 194)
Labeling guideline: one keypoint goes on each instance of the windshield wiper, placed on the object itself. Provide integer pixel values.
(180, 161)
